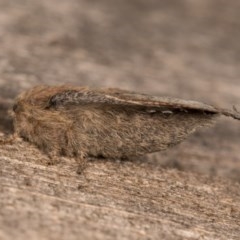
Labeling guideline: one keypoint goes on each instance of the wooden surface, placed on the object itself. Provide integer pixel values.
(187, 49)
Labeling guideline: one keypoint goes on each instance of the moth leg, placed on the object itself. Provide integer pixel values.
(82, 162)
(53, 158)
(9, 140)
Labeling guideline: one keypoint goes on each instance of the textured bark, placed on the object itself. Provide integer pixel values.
(186, 49)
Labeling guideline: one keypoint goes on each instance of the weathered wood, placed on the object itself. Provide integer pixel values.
(188, 50)
(111, 200)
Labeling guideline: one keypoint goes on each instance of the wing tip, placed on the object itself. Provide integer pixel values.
(231, 113)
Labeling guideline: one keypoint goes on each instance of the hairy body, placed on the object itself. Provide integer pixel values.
(81, 122)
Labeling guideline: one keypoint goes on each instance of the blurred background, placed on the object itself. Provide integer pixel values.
(188, 49)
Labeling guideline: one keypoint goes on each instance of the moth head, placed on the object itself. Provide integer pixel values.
(17, 107)
(26, 102)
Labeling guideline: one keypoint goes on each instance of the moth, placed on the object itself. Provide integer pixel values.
(82, 122)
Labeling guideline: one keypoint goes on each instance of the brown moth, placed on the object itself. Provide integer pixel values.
(81, 122)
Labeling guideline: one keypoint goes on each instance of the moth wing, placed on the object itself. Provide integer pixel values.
(169, 103)
(134, 98)
(112, 96)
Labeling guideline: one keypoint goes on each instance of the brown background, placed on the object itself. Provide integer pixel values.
(188, 49)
